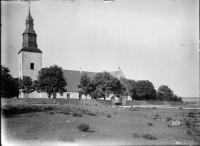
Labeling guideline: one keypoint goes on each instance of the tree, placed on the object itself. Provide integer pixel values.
(128, 87)
(145, 90)
(9, 85)
(26, 85)
(51, 80)
(85, 85)
(105, 84)
(177, 99)
(165, 93)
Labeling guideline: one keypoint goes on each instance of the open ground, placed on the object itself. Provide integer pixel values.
(57, 124)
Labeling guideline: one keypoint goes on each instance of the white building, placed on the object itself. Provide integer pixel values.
(30, 62)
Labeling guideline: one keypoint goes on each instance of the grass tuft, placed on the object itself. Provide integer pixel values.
(149, 136)
(83, 127)
(77, 115)
(150, 124)
(168, 119)
(108, 116)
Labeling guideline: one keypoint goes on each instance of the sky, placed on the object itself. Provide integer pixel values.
(155, 40)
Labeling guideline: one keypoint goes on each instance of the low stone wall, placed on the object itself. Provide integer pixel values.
(18, 101)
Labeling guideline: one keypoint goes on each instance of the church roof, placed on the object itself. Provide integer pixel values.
(117, 74)
(73, 78)
(30, 49)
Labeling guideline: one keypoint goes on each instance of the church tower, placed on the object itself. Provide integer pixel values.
(29, 57)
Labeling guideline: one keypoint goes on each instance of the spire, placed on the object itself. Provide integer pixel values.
(29, 17)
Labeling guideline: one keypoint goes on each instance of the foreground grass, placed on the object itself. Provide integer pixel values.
(59, 123)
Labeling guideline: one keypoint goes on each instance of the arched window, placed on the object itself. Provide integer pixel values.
(32, 66)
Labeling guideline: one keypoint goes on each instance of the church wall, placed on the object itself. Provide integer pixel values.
(20, 64)
(27, 59)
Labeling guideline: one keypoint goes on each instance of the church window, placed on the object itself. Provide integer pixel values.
(32, 66)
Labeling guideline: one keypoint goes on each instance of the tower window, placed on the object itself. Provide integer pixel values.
(32, 66)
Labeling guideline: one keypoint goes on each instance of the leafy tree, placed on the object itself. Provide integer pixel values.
(105, 84)
(145, 90)
(51, 80)
(26, 85)
(177, 99)
(9, 85)
(165, 93)
(128, 87)
(85, 85)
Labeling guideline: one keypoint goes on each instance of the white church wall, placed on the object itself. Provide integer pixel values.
(27, 59)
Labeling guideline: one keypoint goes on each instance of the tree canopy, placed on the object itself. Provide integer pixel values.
(128, 87)
(9, 85)
(26, 85)
(165, 93)
(85, 85)
(105, 84)
(145, 90)
(51, 80)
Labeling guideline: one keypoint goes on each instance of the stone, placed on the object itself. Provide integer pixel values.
(177, 123)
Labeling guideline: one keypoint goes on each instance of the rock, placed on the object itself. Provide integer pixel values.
(177, 123)
(178, 142)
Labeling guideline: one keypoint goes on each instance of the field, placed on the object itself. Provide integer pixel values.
(57, 124)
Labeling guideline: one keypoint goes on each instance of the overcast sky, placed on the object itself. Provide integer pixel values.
(155, 40)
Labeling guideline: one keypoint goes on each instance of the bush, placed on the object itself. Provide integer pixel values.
(150, 124)
(92, 114)
(51, 112)
(187, 123)
(67, 113)
(83, 127)
(168, 119)
(149, 136)
(77, 115)
(136, 135)
(108, 116)
(189, 132)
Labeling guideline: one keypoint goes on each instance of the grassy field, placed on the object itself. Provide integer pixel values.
(57, 124)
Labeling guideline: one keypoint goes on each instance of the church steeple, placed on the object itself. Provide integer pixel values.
(29, 17)
(29, 36)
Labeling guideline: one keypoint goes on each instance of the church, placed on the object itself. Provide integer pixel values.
(30, 62)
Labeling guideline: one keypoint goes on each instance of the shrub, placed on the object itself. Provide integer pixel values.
(83, 127)
(92, 114)
(67, 113)
(189, 132)
(150, 124)
(157, 115)
(108, 116)
(187, 123)
(77, 115)
(149, 136)
(190, 114)
(51, 112)
(168, 119)
(136, 135)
